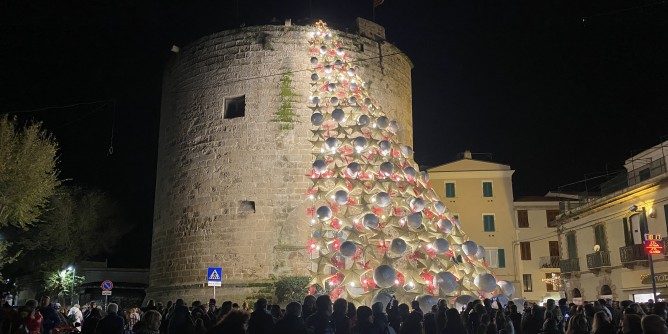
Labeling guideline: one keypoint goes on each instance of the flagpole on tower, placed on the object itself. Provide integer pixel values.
(376, 3)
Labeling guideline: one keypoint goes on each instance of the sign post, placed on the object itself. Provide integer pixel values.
(214, 278)
(652, 246)
(106, 286)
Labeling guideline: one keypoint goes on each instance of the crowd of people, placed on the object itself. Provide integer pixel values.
(322, 316)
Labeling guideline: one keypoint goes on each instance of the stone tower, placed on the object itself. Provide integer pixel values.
(234, 150)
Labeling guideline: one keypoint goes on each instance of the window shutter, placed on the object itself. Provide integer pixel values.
(487, 189)
(522, 218)
(502, 258)
(628, 236)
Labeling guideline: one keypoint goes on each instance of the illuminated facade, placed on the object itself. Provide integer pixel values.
(602, 240)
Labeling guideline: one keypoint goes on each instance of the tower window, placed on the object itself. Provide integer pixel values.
(235, 107)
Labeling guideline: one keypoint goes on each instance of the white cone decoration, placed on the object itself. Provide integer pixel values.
(507, 288)
(485, 282)
(426, 302)
(446, 282)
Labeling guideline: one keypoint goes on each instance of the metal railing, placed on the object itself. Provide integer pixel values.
(549, 262)
(569, 266)
(598, 260)
(632, 253)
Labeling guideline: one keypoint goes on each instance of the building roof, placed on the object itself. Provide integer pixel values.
(469, 165)
(542, 199)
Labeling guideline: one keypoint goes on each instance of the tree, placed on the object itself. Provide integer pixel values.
(60, 282)
(28, 177)
(28, 174)
(377, 225)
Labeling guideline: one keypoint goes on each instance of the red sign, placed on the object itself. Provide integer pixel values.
(653, 247)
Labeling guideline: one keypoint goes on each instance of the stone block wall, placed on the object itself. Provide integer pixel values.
(230, 192)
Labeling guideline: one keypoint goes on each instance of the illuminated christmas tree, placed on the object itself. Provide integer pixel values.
(376, 222)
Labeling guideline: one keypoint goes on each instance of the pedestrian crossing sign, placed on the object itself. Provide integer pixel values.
(214, 276)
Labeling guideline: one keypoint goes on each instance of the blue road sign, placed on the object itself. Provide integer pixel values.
(214, 276)
(107, 285)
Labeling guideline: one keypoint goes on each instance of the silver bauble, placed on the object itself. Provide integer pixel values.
(315, 100)
(339, 51)
(394, 127)
(382, 122)
(317, 119)
(370, 220)
(353, 169)
(360, 143)
(341, 197)
(352, 100)
(334, 100)
(331, 86)
(328, 69)
(446, 282)
(410, 173)
(426, 302)
(338, 63)
(314, 60)
(398, 246)
(384, 276)
(470, 248)
(323, 49)
(338, 115)
(314, 77)
(319, 166)
(332, 144)
(348, 249)
(441, 246)
(383, 298)
(367, 101)
(424, 175)
(444, 225)
(386, 168)
(363, 120)
(417, 204)
(406, 151)
(353, 86)
(414, 220)
(385, 147)
(383, 199)
(485, 282)
(507, 288)
(439, 207)
(480, 254)
(324, 213)
(351, 71)
(464, 300)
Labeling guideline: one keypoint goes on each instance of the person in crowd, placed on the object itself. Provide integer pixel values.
(661, 309)
(415, 305)
(134, 317)
(225, 309)
(91, 307)
(453, 322)
(212, 309)
(49, 315)
(260, 321)
(404, 312)
(654, 323)
(516, 318)
(352, 314)
(308, 307)
(321, 321)
(149, 323)
(577, 324)
(112, 323)
(90, 323)
(601, 323)
(75, 317)
(8, 316)
(554, 311)
(31, 319)
(150, 306)
(292, 323)
(631, 323)
(235, 322)
(440, 313)
(392, 310)
(364, 323)
(276, 312)
(429, 324)
(340, 318)
(550, 326)
(180, 320)
(380, 319)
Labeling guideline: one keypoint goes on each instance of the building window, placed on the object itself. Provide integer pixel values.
(487, 189)
(247, 207)
(552, 217)
(522, 218)
(599, 237)
(525, 250)
(644, 174)
(488, 223)
(495, 257)
(526, 282)
(449, 190)
(549, 286)
(571, 246)
(235, 107)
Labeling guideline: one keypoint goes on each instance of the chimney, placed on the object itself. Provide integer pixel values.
(468, 155)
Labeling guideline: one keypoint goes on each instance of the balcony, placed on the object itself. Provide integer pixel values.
(570, 266)
(549, 262)
(632, 255)
(598, 260)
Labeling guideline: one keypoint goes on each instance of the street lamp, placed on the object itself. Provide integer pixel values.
(71, 268)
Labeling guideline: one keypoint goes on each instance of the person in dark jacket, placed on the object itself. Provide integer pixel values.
(364, 324)
(112, 323)
(180, 320)
(90, 324)
(260, 321)
(292, 323)
(392, 310)
(232, 323)
(341, 320)
(412, 324)
(453, 322)
(440, 314)
(379, 317)
(308, 307)
(149, 324)
(50, 315)
(321, 321)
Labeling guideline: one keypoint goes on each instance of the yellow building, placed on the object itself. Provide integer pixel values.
(480, 194)
(602, 239)
(537, 247)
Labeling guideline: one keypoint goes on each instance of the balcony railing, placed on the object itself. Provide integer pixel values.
(598, 260)
(569, 266)
(632, 253)
(549, 262)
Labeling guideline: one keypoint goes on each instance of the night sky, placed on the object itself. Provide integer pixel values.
(556, 89)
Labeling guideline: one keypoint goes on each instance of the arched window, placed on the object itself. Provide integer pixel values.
(576, 293)
(605, 290)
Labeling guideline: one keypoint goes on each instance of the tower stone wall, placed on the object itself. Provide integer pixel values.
(230, 192)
